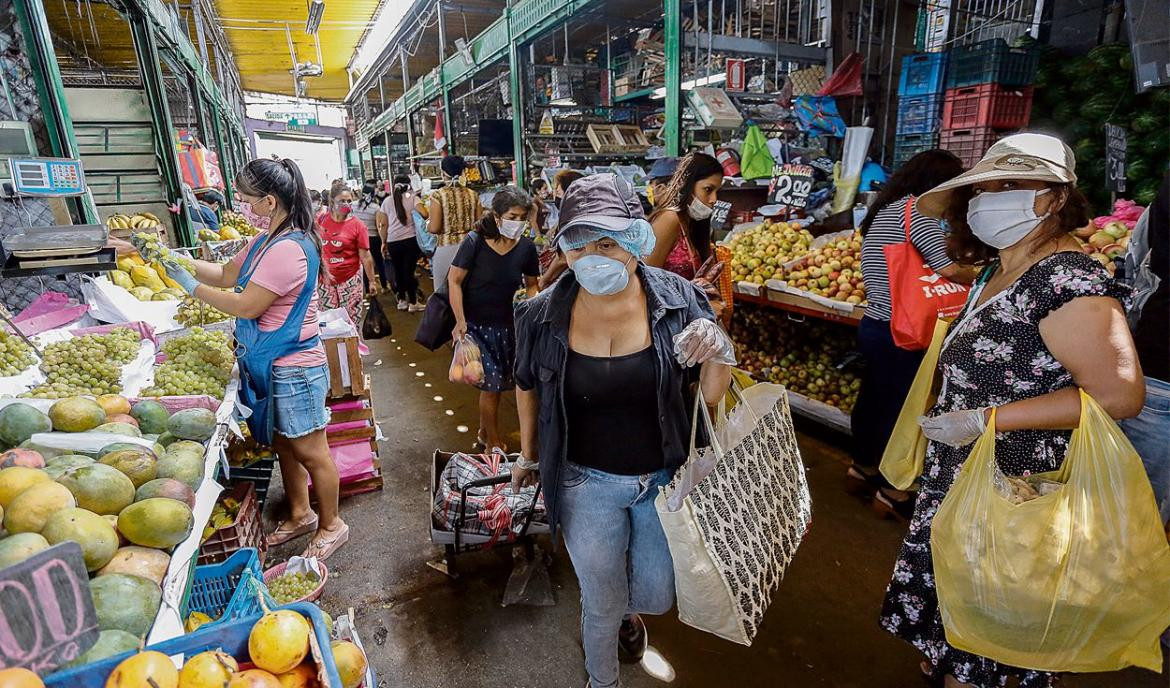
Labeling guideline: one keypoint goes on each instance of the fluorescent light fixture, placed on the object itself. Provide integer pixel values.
(380, 33)
(660, 93)
(564, 102)
(316, 11)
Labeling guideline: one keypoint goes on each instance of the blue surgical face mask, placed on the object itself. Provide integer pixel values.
(601, 276)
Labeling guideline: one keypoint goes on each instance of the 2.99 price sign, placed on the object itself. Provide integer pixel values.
(791, 185)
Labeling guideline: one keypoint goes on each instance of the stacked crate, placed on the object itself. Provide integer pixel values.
(988, 95)
(351, 433)
(920, 98)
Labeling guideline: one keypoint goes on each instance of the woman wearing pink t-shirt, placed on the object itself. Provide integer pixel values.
(283, 371)
(346, 244)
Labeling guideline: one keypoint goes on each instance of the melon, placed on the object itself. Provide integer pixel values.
(20, 546)
(114, 404)
(109, 643)
(17, 479)
(138, 464)
(185, 447)
(156, 522)
(253, 678)
(151, 416)
(22, 457)
(279, 641)
(211, 669)
(76, 414)
(168, 488)
(19, 677)
(185, 467)
(119, 429)
(196, 424)
(149, 668)
(119, 446)
(166, 438)
(33, 507)
(19, 421)
(304, 676)
(98, 540)
(99, 488)
(122, 418)
(127, 603)
(57, 465)
(145, 562)
(350, 661)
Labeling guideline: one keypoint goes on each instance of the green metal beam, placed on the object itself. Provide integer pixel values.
(672, 41)
(515, 95)
(226, 163)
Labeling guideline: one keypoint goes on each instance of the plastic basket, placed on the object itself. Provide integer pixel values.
(991, 61)
(230, 637)
(220, 590)
(969, 144)
(987, 105)
(922, 74)
(259, 473)
(919, 114)
(906, 146)
(246, 531)
(275, 572)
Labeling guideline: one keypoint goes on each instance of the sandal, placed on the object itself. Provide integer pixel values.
(322, 548)
(887, 507)
(284, 532)
(862, 484)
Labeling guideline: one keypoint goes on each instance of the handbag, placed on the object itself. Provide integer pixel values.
(918, 295)
(1068, 576)
(375, 324)
(735, 513)
(905, 452)
(434, 329)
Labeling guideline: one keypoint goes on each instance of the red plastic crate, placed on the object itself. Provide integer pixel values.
(246, 531)
(987, 105)
(969, 144)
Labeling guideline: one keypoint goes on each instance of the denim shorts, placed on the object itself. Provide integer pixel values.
(298, 399)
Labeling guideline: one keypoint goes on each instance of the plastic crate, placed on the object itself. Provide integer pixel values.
(246, 531)
(906, 146)
(259, 474)
(922, 74)
(919, 114)
(986, 105)
(222, 592)
(969, 144)
(230, 637)
(991, 61)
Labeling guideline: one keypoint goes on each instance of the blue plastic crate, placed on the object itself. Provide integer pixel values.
(221, 590)
(991, 62)
(919, 114)
(922, 74)
(230, 637)
(906, 146)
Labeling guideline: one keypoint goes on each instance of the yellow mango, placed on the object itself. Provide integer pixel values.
(122, 279)
(143, 276)
(125, 264)
(162, 275)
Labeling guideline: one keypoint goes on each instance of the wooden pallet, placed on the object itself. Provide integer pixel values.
(338, 349)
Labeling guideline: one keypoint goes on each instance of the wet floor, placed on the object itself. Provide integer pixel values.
(423, 629)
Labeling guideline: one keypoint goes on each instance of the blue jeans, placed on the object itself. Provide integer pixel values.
(620, 555)
(1148, 433)
(298, 398)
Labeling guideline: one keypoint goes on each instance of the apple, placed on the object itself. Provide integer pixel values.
(1101, 239)
(1115, 229)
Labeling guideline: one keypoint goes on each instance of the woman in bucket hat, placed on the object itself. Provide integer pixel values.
(1042, 320)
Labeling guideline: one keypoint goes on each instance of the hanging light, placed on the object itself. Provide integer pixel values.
(316, 11)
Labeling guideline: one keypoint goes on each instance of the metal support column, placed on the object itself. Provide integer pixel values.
(672, 132)
(443, 81)
(410, 148)
(389, 162)
(515, 94)
(149, 62)
(226, 163)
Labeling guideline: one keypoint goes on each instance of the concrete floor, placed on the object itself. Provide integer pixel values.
(425, 630)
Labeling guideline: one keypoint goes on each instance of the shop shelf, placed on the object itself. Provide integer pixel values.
(922, 74)
(985, 105)
(919, 114)
(969, 144)
(798, 305)
(819, 411)
(991, 61)
(906, 146)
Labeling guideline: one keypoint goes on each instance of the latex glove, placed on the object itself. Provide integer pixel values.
(703, 341)
(140, 245)
(956, 428)
(185, 279)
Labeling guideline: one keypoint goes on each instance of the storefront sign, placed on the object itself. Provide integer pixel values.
(47, 617)
(736, 74)
(293, 119)
(791, 185)
(1115, 145)
(719, 214)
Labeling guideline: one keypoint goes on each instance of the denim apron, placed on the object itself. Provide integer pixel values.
(256, 350)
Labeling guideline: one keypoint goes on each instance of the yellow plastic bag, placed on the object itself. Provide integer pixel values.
(906, 451)
(1075, 580)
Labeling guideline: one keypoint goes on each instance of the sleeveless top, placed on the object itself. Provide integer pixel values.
(458, 204)
(682, 259)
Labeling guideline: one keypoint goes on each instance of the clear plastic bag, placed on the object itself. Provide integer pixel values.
(1076, 578)
(466, 364)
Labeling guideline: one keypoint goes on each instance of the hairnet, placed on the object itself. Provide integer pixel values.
(637, 238)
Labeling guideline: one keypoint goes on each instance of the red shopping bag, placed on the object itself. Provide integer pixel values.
(918, 295)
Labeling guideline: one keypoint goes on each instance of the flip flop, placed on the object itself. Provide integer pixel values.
(323, 548)
(283, 533)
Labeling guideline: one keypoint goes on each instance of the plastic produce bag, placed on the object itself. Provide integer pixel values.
(755, 160)
(1073, 580)
(375, 324)
(905, 453)
(466, 364)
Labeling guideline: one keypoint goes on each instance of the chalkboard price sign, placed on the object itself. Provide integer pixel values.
(1115, 145)
(719, 214)
(47, 617)
(791, 185)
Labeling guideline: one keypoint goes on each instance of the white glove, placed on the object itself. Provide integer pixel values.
(703, 341)
(956, 428)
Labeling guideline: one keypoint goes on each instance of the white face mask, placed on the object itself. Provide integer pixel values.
(510, 229)
(699, 210)
(1003, 218)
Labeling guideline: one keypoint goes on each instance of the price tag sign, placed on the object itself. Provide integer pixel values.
(1115, 145)
(791, 185)
(720, 212)
(47, 617)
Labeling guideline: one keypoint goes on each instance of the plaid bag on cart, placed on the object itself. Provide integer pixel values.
(735, 513)
(495, 511)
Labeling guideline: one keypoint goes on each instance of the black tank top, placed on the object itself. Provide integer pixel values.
(612, 409)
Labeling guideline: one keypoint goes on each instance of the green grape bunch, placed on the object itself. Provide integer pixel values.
(199, 362)
(154, 251)
(90, 364)
(15, 356)
(289, 587)
(192, 311)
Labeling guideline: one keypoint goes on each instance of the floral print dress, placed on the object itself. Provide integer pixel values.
(994, 355)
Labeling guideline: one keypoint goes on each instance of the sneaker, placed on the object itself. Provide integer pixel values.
(632, 640)
(417, 307)
(402, 305)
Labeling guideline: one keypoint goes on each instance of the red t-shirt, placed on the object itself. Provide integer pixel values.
(341, 241)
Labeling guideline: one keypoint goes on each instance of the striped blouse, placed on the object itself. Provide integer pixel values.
(886, 230)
